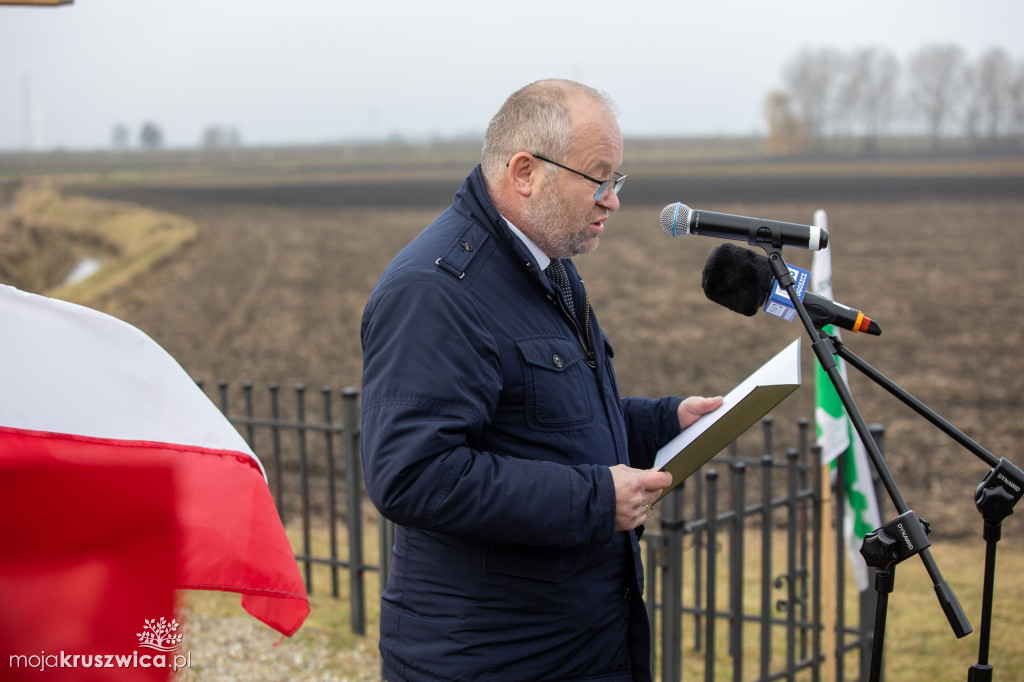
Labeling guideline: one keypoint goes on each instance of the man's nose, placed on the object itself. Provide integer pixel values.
(610, 200)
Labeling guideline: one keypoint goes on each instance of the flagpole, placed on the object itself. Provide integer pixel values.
(821, 283)
(828, 571)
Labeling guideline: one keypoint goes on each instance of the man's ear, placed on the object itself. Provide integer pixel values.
(523, 173)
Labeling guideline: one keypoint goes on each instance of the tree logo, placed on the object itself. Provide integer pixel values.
(161, 635)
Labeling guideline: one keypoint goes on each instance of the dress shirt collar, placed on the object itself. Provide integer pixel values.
(538, 255)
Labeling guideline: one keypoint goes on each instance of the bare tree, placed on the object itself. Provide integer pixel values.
(853, 95)
(867, 95)
(150, 136)
(1016, 97)
(845, 101)
(936, 73)
(811, 81)
(221, 137)
(994, 75)
(120, 136)
(971, 109)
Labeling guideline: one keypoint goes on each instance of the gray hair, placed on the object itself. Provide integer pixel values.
(535, 119)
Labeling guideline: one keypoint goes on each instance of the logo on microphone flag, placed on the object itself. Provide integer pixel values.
(836, 434)
(778, 303)
(84, 388)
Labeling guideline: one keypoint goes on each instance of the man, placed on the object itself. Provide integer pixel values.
(493, 433)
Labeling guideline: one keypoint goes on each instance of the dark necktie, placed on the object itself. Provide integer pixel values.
(556, 273)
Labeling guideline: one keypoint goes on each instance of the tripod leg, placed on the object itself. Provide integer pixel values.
(982, 670)
(995, 502)
(884, 581)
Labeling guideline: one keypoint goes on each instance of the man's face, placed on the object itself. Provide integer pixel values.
(565, 219)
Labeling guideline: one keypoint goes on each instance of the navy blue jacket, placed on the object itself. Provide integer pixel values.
(488, 430)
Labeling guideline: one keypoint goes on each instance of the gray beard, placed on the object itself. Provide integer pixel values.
(549, 220)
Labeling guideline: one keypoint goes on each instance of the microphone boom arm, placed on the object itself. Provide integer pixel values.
(882, 549)
(825, 352)
(995, 497)
(913, 403)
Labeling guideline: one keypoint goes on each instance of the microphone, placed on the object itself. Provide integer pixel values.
(677, 219)
(741, 280)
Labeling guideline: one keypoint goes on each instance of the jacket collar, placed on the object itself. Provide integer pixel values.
(472, 200)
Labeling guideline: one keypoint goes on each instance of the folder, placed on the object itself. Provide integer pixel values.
(741, 408)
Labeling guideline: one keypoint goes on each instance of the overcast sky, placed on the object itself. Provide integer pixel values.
(309, 71)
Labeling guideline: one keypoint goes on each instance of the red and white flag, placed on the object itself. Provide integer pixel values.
(88, 565)
(81, 387)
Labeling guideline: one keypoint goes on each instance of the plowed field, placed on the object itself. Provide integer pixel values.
(273, 289)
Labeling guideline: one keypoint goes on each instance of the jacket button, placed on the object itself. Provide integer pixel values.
(556, 360)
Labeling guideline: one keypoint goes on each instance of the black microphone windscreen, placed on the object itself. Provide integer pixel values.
(738, 279)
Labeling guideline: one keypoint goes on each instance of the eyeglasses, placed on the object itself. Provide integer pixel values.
(615, 182)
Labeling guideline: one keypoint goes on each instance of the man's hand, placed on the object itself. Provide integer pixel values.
(635, 491)
(693, 408)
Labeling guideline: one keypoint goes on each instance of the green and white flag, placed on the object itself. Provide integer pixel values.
(836, 434)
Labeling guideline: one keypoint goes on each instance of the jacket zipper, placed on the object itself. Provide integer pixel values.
(586, 343)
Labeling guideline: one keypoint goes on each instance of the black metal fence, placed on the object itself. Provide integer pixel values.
(735, 554)
(738, 561)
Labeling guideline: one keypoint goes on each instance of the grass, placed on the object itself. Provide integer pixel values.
(126, 240)
(227, 643)
(919, 644)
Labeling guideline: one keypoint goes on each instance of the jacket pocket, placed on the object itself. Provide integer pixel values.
(556, 374)
(547, 564)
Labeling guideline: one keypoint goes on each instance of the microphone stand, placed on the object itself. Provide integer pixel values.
(899, 539)
(995, 497)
